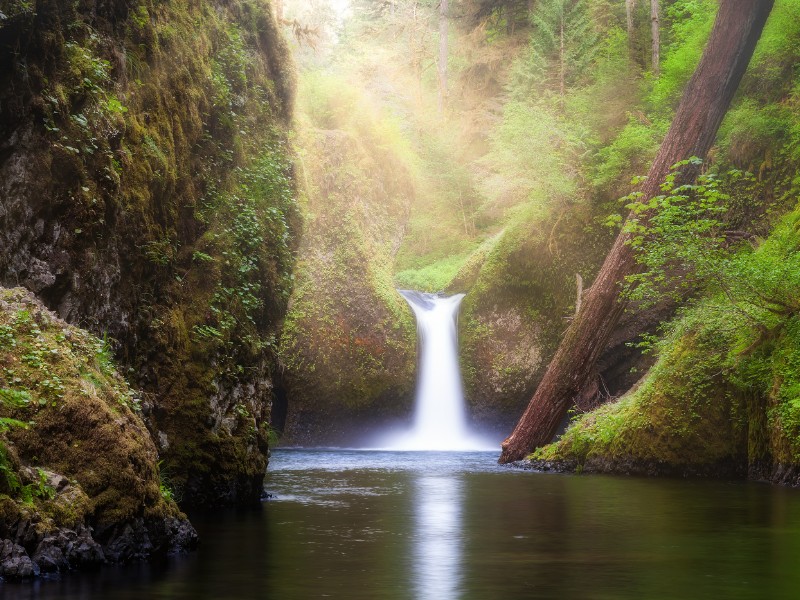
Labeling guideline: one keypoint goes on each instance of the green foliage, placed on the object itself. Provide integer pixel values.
(251, 233)
(10, 399)
(752, 132)
(167, 489)
(114, 106)
(680, 242)
(688, 25)
(86, 68)
(12, 484)
(627, 154)
(14, 398)
(15, 8)
(564, 44)
(202, 257)
(727, 366)
(229, 78)
(160, 252)
(678, 237)
(530, 158)
(434, 276)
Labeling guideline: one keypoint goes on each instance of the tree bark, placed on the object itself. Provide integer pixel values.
(562, 59)
(443, 52)
(630, 6)
(705, 101)
(655, 28)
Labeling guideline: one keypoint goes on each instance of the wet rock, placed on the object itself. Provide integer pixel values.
(84, 551)
(142, 539)
(50, 556)
(130, 542)
(15, 563)
(180, 535)
(64, 549)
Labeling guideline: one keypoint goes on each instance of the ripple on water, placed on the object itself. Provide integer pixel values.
(416, 526)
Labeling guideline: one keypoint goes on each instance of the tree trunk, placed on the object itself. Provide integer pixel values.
(705, 101)
(279, 10)
(655, 27)
(630, 7)
(443, 34)
(562, 59)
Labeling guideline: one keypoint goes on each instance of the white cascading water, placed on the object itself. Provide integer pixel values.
(439, 414)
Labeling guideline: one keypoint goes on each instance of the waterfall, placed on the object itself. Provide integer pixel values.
(439, 414)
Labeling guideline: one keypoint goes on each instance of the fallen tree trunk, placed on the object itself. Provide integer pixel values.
(705, 101)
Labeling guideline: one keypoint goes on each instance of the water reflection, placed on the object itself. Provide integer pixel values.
(405, 525)
(438, 537)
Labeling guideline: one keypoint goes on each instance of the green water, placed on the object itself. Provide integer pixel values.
(350, 524)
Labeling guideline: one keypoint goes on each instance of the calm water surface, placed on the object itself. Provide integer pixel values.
(374, 525)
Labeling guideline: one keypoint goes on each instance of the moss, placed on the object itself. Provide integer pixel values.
(81, 421)
(161, 131)
(723, 397)
(348, 340)
(684, 417)
(522, 289)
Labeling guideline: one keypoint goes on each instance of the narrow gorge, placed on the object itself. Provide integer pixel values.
(278, 277)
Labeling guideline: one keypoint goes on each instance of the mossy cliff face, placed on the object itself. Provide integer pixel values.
(348, 342)
(723, 398)
(148, 195)
(520, 294)
(79, 474)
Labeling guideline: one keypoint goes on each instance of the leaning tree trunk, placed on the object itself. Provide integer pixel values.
(705, 101)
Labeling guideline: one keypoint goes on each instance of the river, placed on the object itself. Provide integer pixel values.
(427, 525)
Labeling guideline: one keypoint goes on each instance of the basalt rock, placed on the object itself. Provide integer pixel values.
(15, 562)
(80, 483)
(148, 195)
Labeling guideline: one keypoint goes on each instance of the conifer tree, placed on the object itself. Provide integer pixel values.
(564, 42)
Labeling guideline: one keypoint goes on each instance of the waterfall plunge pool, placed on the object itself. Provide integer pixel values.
(429, 525)
(419, 523)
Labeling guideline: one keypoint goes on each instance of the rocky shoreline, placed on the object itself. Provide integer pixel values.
(30, 553)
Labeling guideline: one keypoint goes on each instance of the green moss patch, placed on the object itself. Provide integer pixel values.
(160, 173)
(723, 396)
(77, 417)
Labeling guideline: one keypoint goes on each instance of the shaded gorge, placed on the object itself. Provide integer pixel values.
(356, 524)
